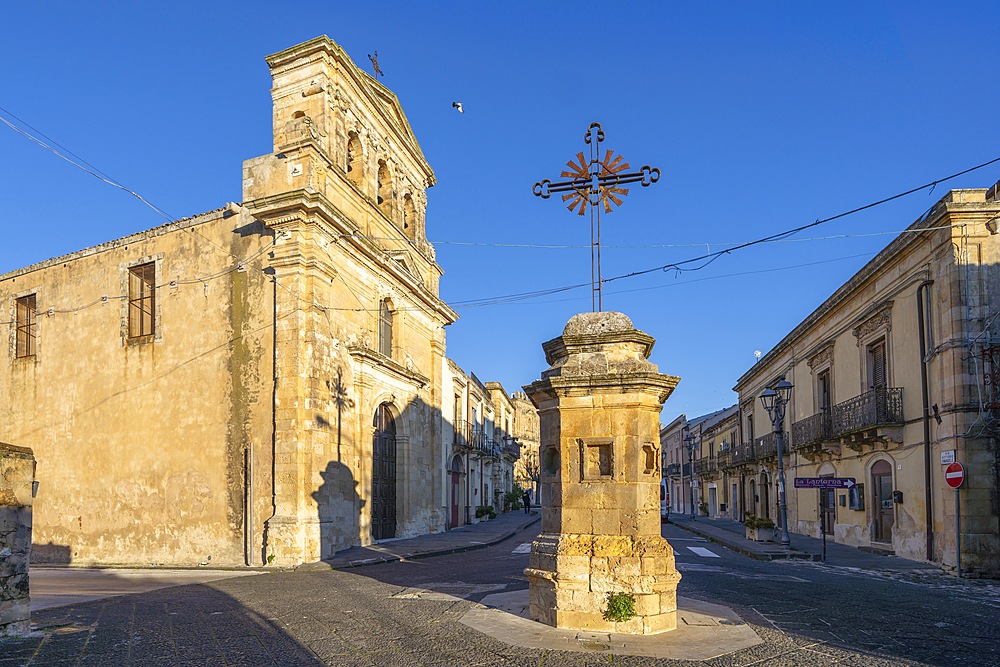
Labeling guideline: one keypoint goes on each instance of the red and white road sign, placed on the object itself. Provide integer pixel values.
(954, 474)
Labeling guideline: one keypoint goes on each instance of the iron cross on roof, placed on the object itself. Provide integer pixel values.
(597, 183)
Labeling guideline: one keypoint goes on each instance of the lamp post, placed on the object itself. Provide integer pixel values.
(774, 401)
(689, 441)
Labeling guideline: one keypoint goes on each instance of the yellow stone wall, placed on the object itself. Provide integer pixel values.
(599, 404)
(959, 260)
(243, 429)
(142, 448)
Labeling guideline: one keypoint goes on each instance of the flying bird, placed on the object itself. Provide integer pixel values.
(458, 105)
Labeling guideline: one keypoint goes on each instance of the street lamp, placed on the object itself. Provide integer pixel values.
(774, 401)
(689, 440)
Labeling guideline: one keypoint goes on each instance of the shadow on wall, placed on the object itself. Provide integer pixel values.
(401, 457)
(339, 507)
(53, 554)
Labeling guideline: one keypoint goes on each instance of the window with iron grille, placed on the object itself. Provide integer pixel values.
(26, 326)
(991, 371)
(142, 301)
(385, 328)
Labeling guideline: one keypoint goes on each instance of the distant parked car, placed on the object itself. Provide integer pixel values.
(664, 501)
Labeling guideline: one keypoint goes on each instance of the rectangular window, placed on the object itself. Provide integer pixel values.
(26, 325)
(142, 301)
(385, 329)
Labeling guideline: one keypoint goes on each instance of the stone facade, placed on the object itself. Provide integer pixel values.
(526, 469)
(258, 384)
(890, 382)
(17, 474)
(599, 404)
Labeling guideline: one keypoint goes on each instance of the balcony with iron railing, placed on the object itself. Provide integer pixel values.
(706, 467)
(811, 431)
(865, 419)
(767, 446)
(673, 469)
(870, 410)
(740, 455)
(723, 458)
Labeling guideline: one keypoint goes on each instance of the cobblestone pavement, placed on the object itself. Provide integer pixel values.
(807, 614)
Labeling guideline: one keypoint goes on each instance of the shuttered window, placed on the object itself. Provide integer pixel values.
(26, 325)
(142, 301)
(385, 328)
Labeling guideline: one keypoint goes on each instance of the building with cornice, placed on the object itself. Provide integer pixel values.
(258, 384)
(896, 376)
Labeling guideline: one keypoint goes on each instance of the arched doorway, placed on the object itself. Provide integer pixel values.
(882, 509)
(456, 490)
(384, 475)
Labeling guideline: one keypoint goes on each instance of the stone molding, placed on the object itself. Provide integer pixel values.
(823, 357)
(881, 320)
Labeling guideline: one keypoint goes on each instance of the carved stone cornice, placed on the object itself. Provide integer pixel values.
(387, 365)
(824, 357)
(880, 320)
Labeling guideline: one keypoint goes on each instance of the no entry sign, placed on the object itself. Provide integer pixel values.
(954, 474)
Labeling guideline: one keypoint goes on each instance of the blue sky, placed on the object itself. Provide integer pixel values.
(761, 117)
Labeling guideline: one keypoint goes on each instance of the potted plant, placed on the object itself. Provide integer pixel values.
(703, 508)
(759, 529)
(485, 512)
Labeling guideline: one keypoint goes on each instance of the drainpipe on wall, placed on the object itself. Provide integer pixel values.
(925, 400)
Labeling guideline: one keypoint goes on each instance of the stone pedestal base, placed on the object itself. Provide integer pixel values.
(571, 575)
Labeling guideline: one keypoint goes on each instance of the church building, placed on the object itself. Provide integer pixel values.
(259, 384)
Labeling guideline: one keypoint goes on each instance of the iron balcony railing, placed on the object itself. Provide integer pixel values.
(741, 455)
(705, 466)
(767, 446)
(511, 448)
(812, 430)
(879, 407)
(460, 432)
(723, 458)
(673, 469)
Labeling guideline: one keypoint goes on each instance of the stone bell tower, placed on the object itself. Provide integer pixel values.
(599, 404)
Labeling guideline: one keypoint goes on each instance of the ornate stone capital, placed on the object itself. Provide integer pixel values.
(824, 357)
(881, 319)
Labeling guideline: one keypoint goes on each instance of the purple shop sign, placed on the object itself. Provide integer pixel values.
(824, 482)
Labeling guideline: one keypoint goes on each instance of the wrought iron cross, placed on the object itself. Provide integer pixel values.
(377, 71)
(597, 183)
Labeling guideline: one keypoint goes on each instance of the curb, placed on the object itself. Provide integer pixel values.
(323, 565)
(746, 551)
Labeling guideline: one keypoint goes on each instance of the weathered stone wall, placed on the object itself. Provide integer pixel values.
(599, 404)
(956, 259)
(148, 450)
(17, 472)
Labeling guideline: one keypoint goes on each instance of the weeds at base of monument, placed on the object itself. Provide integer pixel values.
(621, 607)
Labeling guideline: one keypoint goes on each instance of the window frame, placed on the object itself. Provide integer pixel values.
(26, 330)
(386, 324)
(156, 306)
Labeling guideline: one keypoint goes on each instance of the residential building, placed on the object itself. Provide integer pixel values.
(686, 465)
(717, 493)
(895, 375)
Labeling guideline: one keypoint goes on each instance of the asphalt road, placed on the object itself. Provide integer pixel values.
(408, 613)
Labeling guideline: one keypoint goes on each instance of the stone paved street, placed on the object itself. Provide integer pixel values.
(409, 612)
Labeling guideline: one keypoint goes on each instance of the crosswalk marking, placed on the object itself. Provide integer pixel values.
(522, 548)
(703, 552)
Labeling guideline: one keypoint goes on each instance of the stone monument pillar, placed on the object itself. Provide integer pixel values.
(599, 404)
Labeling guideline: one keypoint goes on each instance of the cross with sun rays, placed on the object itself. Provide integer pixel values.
(597, 183)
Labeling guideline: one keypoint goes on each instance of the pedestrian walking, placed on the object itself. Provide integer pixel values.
(527, 501)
